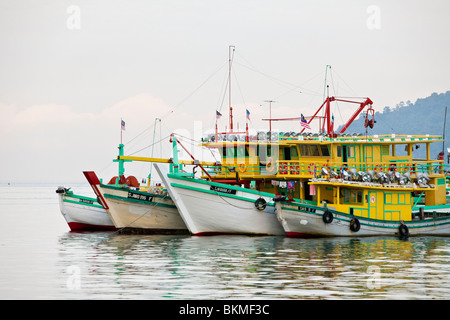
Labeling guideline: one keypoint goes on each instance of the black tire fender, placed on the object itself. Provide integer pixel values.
(403, 230)
(327, 217)
(355, 225)
(260, 204)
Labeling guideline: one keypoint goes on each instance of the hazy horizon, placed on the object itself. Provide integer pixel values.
(71, 70)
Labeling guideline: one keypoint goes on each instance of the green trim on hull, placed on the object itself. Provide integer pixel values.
(365, 221)
(218, 184)
(153, 203)
(182, 186)
(84, 203)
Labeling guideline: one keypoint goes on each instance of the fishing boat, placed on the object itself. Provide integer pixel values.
(375, 191)
(238, 194)
(135, 211)
(370, 208)
(82, 213)
(210, 208)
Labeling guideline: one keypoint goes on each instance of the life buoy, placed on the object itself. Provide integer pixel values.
(355, 225)
(292, 169)
(242, 167)
(407, 167)
(327, 217)
(270, 166)
(260, 204)
(393, 167)
(297, 169)
(311, 168)
(283, 168)
(403, 230)
(377, 168)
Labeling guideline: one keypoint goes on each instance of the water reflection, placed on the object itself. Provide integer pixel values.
(222, 267)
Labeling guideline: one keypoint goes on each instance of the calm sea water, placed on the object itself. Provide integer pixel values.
(41, 259)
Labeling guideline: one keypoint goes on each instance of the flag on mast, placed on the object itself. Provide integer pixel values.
(122, 124)
(218, 114)
(304, 123)
(332, 122)
(248, 115)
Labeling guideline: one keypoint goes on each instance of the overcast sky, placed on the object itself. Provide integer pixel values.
(70, 70)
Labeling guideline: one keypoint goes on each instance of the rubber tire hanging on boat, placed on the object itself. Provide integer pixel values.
(355, 225)
(403, 230)
(327, 217)
(260, 204)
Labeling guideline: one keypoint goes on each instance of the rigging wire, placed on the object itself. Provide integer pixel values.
(281, 82)
(181, 102)
(130, 154)
(335, 92)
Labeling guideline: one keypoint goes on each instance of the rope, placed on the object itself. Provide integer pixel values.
(154, 203)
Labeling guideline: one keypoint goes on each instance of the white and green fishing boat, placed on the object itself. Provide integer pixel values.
(83, 213)
(136, 211)
(210, 208)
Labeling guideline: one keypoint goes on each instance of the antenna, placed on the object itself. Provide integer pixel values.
(270, 118)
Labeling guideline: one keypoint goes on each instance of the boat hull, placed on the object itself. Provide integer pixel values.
(207, 211)
(306, 221)
(139, 212)
(134, 215)
(83, 213)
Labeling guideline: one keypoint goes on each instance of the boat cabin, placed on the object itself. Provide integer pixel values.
(286, 165)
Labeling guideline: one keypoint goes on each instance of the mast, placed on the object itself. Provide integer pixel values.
(229, 87)
(153, 146)
(443, 134)
(270, 114)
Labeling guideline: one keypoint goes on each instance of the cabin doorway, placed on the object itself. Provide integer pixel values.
(343, 153)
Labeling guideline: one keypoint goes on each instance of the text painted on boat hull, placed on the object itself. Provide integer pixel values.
(222, 189)
(140, 197)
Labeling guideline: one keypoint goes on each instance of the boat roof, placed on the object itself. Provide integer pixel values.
(347, 139)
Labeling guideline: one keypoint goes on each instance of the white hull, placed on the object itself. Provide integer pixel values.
(158, 215)
(82, 213)
(137, 211)
(306, 221)
(210, 212)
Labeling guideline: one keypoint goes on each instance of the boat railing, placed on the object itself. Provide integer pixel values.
(309, 168)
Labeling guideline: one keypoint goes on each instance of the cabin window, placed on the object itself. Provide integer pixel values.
(294, 152)
(325, 151)
(315, 150)
(266, 150)
(228, 152)
(385, 150)
(304, 149)
(312, 150)
(351, 152)
(352, 196)
(241, 151)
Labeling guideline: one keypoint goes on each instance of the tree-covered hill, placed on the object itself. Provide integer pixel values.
(425, 116)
